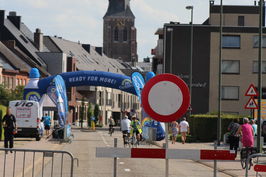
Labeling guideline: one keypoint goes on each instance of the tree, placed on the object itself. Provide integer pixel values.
(82, 112)
(96, 112)
(89, 114)
(4, 95)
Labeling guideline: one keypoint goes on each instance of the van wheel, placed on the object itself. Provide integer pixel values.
(38, 138)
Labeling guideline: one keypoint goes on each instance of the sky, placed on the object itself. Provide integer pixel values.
(82, 20)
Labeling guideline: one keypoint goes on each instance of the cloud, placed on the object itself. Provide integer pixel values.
(35, 3)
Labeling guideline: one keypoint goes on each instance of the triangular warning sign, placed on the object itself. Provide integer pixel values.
(251, 104)
(251, 91)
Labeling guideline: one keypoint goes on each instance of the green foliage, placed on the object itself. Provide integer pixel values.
(7, 95)
(89, 114)
(2, 113)
(96, 112)
(204, 126)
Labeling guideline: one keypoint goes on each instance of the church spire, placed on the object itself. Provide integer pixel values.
(119, 8)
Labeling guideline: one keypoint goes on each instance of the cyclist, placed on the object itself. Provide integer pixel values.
(135, 127)
(247, 133)
(111, 123)
(125, 127)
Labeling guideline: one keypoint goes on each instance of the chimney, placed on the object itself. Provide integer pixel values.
(16, 20)
(2, 17)
(38, 39)
(99, 50)
(87, 47)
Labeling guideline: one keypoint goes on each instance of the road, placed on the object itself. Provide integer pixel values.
(84, 145)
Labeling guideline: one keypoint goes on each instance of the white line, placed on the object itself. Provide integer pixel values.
(104, 141)
(127, 169)
(121, 163)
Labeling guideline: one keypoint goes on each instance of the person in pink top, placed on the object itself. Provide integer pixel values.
(247, 133)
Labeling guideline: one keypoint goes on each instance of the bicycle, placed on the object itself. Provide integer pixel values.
(126, 138)
(244, 153)
(134, 141)
(111, 130)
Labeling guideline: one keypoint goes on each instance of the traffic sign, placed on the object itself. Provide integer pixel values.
(251, 91)
(251, 104)
(165, 97)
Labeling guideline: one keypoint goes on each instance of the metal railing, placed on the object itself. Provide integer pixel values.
(36, 163)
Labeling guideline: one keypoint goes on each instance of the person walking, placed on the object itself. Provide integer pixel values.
(174, 128)
(47, 123)
(233, 135)
(184, 129)
(247, 133)
(9, 124)
(254, 126)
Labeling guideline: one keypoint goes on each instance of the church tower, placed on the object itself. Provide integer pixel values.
(119, 32)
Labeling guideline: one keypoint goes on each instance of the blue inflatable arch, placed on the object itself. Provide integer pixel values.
(91, 78)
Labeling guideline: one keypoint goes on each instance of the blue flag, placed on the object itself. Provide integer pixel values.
(57, 92)
(138, 83)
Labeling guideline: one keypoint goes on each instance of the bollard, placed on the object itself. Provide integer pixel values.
(215, 161)
(115, 159)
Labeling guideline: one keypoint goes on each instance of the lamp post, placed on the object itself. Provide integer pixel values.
(190, 55)
(261, 7)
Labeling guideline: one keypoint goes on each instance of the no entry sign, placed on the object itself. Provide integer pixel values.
(165, 97)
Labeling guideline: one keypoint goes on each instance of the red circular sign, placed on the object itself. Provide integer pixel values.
(165, 97)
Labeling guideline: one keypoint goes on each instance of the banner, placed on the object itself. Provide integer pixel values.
(57, 92)
(138, 83)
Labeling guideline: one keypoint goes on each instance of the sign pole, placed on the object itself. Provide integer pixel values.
(166, 147)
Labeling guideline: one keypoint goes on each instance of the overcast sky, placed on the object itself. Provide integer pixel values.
(81, 20)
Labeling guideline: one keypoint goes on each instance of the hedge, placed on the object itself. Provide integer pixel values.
(203, 127)
(2, 113)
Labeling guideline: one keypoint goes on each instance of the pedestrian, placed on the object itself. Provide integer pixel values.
(41, 126)
(233, 135)
(47, 123)
(254, 126)
(10, 127)
(247, 133)
(184, 129)
(174, 128)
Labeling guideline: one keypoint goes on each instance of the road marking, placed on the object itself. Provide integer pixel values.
(127, 169)
(104, 141)
(121, 163)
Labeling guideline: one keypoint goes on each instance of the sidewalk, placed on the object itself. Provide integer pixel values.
(231, 168)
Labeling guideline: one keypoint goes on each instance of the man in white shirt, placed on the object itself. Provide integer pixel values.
(125, 128)
(184, 129)
(125, 125)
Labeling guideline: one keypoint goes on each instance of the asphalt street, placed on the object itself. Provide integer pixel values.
(84, 146)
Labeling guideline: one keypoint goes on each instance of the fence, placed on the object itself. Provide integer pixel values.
(258, 167)
(36, 163)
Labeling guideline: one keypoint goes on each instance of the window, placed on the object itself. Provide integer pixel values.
(241, 21)
(125, 34)
(116, 34)
(230, 67)
(256, 67)
(230, 93)
(231, 41)
(256, 41)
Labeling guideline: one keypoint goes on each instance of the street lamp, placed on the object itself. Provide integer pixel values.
(190, 55)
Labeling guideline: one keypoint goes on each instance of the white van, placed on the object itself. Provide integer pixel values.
(26, 113)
